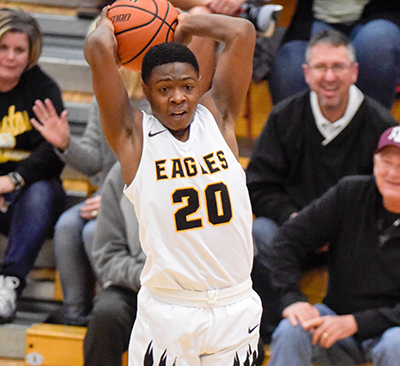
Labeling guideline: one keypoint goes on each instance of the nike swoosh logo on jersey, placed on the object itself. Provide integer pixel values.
(251, 330)
(151, 134)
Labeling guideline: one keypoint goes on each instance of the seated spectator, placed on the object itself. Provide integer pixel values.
(118, 261)
(74, 230)
(359, 320)
(31, 193)
(309, 142)
(373, 26)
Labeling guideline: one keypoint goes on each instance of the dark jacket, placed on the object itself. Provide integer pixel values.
(364, 271)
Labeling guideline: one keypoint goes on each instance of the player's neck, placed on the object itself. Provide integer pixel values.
(181, 135)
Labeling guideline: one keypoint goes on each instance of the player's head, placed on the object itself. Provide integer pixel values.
(166, 53)
(17, 21)
(171, 85)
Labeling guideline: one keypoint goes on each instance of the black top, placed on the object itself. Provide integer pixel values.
(364, 270)
(290, 167)
(31, 156)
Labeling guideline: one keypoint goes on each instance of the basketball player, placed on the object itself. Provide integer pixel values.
(196, 304)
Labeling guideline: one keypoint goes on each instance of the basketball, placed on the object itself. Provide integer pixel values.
(139, 25)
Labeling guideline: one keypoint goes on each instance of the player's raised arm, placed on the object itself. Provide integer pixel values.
(235, 64)
(121, 123)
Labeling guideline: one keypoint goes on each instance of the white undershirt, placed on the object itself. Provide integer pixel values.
(332, 129)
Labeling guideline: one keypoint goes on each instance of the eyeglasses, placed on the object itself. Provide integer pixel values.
(337, 69)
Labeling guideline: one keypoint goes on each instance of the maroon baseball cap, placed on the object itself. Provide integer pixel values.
(391, 137)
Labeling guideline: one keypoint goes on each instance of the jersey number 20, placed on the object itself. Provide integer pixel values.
(218, 203)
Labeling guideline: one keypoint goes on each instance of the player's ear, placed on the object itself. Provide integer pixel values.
(145, 89)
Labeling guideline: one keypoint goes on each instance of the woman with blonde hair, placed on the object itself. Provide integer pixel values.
(31, 194)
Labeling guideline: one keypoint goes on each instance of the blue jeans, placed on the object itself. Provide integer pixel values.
(73, 238)
(292, 346)
(264, 230)
(379, 62)
(28, 222)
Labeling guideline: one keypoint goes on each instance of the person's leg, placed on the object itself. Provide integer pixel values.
(286, 77)
(292, 346)
(110, 325)
(379, 61)
(384, 350)
(263, 231)
(319, 26)
(88, 237)
(346, 352)
(33, 215)
(73, 266)
(88, 233)
(232, 337)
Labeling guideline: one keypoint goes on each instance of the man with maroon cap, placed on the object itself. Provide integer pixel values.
(359, 320)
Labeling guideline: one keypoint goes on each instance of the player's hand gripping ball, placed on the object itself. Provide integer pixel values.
(139, 25)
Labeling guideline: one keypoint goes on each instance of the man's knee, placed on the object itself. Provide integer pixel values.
(290, 334)
(264, 230)
(368, 39)
(387, 351)
(68, 220)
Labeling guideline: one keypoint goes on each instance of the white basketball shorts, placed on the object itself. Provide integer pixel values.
(180, 335)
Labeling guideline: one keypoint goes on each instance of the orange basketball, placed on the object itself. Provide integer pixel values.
(139, 25)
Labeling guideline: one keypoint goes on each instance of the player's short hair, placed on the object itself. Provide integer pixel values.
(334, 38)
(16, 20)
(166, 53)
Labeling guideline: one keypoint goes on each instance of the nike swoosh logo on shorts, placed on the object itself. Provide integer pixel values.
(251, 330)
(151, 134)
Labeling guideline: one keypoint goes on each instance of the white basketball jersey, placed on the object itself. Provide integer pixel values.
(193, 208)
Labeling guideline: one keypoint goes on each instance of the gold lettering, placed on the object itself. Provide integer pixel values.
(16, 123)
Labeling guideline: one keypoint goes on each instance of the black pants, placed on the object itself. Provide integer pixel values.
(110, 325)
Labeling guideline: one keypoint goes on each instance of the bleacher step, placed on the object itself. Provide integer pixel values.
(55, 345)
(73, 75)
(62, 56)
(13, 335)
